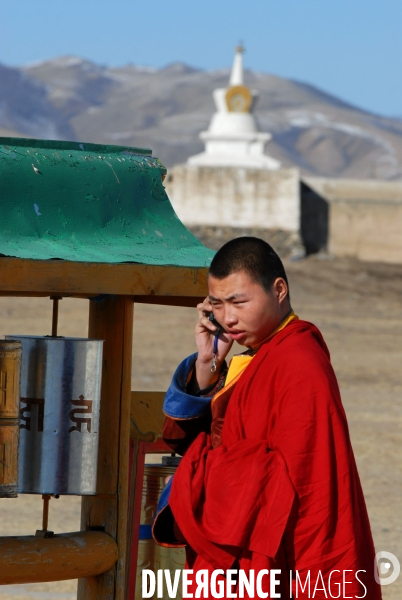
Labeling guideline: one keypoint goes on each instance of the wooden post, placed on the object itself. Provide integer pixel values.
(111, 320)
(137, 456)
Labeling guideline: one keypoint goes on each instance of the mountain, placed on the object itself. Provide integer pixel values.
(165, 109)
(25, 107)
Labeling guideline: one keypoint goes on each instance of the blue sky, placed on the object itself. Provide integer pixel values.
(350, 48)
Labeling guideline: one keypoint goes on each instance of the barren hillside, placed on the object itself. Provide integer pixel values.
(165, 109)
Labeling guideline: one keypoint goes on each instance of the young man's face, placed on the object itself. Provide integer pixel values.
(245, 309)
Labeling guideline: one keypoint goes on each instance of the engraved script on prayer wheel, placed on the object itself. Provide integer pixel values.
(59, 416)
(10, 371)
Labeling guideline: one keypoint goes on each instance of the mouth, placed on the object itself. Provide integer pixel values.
(235, 334)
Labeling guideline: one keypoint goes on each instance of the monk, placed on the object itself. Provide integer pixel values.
(267, 489)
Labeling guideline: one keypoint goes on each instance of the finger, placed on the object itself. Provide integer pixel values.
(204, 308)
(207, 324)
(200, 308)
(205, 305)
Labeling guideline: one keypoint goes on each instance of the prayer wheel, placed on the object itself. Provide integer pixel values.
(10, 370)
(59, 414)
(151, 555)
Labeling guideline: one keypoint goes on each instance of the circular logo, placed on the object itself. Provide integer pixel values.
(386, 568)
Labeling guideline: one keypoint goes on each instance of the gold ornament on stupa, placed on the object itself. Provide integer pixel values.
(239, 97)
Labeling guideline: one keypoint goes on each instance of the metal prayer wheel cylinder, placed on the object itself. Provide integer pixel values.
(59, 414)
(154, 482)
(150, 554)
(10, 370)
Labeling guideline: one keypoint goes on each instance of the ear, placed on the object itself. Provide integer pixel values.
(280, 289)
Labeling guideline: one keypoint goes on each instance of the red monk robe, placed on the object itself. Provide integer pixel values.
(281, 491)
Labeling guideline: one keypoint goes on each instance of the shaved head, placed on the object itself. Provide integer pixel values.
(252, 255)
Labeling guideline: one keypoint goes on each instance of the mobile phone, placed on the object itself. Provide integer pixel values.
(211, 317)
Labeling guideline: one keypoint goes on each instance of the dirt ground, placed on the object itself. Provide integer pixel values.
(358, 308)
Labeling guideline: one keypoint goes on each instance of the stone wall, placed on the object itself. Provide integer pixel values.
(355, 218)
(314, 220)
(285, 243)
(364, 217)
(366, 230)
(235, 197)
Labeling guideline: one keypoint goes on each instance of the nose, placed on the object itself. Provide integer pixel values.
(229, 317)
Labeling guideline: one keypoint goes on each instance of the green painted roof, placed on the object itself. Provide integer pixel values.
(89, 203)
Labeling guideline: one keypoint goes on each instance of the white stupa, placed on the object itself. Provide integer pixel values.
(233, 139)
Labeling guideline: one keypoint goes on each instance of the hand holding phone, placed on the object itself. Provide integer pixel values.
(213, 344)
